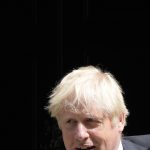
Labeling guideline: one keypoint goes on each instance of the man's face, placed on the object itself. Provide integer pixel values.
(89, 131)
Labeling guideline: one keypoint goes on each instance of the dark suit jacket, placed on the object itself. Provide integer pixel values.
(137, 142)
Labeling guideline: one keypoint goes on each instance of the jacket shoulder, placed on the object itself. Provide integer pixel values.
(140, 142)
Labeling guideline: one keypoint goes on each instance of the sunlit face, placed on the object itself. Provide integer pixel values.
(89, 131)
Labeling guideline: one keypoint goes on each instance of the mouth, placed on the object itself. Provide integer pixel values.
(87, 148)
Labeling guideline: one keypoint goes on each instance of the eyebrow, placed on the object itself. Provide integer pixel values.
(94, 117)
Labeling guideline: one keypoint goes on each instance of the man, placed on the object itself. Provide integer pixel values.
(90, 110)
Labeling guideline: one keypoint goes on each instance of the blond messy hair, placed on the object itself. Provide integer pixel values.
(88, 86)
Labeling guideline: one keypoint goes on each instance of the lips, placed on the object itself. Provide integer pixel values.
(87, 148)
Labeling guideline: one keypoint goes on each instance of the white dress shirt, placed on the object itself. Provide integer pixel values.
(120, 146)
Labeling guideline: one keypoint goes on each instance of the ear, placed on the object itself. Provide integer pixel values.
(121, 122)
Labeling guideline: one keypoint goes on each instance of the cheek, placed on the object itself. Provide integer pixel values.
(97, 135)
(65, 134)
(67, 137)
(101, 136)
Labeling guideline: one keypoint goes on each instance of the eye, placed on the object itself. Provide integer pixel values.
(92, 122)
(70, 123)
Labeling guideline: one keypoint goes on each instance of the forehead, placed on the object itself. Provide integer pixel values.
(81, 112)
(81, 106)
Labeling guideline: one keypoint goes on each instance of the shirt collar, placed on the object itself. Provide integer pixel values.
(120, 146)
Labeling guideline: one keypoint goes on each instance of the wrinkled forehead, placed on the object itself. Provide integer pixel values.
(82, 108)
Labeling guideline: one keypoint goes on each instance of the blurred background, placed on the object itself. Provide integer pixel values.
(41, 41)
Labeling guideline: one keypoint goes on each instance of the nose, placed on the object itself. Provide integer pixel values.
(81, 132)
